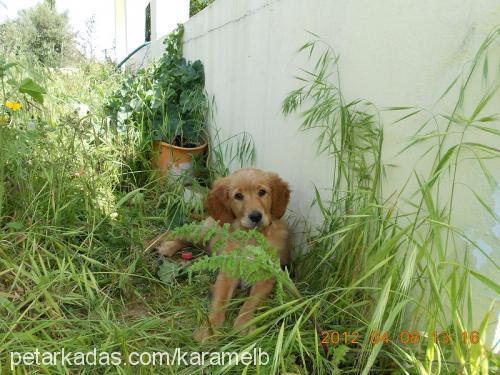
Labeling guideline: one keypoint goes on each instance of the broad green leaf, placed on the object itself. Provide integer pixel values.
(168, 271)
(33, 89)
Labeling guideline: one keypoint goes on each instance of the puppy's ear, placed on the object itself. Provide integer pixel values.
(280, 195)
(217, 202)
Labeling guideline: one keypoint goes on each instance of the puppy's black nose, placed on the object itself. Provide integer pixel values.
(255, 216)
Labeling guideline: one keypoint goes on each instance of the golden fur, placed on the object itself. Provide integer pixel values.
(249, 198)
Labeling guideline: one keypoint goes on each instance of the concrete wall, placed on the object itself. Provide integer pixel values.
(130, 21)
(393, 53)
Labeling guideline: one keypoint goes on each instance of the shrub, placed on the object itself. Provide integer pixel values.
(167, 99)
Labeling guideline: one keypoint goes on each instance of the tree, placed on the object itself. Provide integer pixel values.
(42, 33)
(196, 6)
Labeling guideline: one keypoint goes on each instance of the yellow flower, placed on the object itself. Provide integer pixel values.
(15, 106)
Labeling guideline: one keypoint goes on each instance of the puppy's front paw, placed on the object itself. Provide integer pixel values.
(169, 248)
(241, 324)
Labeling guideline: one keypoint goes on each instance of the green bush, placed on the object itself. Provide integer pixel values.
(167, 100)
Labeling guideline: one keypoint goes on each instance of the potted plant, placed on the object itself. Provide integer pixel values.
(179, 126)
(168, 99)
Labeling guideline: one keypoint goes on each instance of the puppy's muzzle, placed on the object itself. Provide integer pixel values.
(255, 217)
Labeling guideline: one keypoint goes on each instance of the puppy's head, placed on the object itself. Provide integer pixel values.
(250, 198)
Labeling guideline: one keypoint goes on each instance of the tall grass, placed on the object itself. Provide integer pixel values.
(392, 266)
(79, 203)
(74, 221)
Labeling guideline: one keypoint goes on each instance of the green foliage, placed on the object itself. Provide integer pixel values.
(14, 85)
(75, 160)
(33, 89)
(349, 132)
(236, 151)
(196, 6)
(78, 205)
(74, 218)
(167, 100)
(76, 210)
(41, 33)
(389, 264)
(252, 258)
(168, 271)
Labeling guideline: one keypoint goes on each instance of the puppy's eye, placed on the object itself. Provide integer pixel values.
(262, 192)
(238, 196)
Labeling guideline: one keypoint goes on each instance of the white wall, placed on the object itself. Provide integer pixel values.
(136, 23)
(130, 21)
(393, 53)
(169, 13)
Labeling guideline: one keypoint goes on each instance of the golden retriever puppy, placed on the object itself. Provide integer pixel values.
(248, 199)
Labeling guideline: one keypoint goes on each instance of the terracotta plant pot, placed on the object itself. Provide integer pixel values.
(173, 160)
